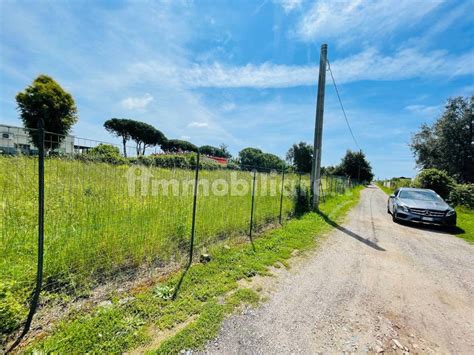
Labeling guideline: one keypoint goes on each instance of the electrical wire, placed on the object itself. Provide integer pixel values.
(342, 106)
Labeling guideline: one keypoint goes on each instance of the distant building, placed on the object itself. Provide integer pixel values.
(222, 161)
(15, 140)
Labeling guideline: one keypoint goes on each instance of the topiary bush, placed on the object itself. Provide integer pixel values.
(462, 195)
(436, 180)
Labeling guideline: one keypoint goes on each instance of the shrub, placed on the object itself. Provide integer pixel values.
(171, 161)
(105, 153)
(205, 163)
(233, 165)
(302, 200)
(462, 195)
(397, 183)
(434, 179)
(147, 161)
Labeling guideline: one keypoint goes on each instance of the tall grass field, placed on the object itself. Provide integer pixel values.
(96, 225)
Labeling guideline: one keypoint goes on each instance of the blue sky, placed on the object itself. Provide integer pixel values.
(244, 73)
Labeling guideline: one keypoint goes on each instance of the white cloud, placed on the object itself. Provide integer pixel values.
(369, 64)
(228, 106)
(423, 109)
(137, 103)
(289, 5)
(361, 19)
(405, 64)
(198, 124)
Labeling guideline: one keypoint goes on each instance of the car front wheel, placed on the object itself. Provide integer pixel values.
(395, 219)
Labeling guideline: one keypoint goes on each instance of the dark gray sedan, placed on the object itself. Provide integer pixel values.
(420, 205)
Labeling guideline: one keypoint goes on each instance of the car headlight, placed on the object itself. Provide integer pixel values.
(403, 207)
(450, 213)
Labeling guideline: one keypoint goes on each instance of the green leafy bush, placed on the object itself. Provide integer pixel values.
(396, 183)
(434, 179)
(145, 160)
(232, 165)
(171, 161)
(204, 163)
(105, 153)
(302, 199)
(462, 195)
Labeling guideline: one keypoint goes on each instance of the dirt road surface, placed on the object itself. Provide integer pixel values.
(374, 286)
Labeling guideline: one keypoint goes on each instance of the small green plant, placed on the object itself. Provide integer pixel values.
(164, 292)
(12, 312)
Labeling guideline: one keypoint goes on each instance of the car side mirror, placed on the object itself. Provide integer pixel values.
(392, 196)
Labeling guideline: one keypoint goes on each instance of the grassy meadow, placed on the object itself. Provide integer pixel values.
(96, 226)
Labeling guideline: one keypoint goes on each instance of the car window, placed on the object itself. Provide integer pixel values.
(419, 195)
(396, 192)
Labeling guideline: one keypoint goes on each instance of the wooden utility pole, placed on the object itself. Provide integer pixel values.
(318, 129)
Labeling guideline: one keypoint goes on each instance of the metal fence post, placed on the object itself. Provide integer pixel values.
(252, 208)
(40, 258)
(193, 229)
(322, 191)
(193, 223)
(281, 193)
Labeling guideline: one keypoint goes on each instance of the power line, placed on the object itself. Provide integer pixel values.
(342, 106)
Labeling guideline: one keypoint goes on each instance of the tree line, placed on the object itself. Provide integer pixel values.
(45, 99)
(354, 164)
(145, 135)
(447, 144)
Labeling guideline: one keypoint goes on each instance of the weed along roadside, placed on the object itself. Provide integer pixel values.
(148, 320)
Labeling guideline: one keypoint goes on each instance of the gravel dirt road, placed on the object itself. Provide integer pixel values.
(374, 286)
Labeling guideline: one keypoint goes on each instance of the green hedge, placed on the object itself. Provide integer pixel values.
(105, 153)
(462, 195)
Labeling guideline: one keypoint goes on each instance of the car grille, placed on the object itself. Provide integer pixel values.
(430, 213)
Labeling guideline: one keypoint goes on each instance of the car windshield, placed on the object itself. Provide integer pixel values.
(419, 195)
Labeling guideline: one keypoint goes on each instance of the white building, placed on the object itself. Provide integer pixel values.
(16, 140)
